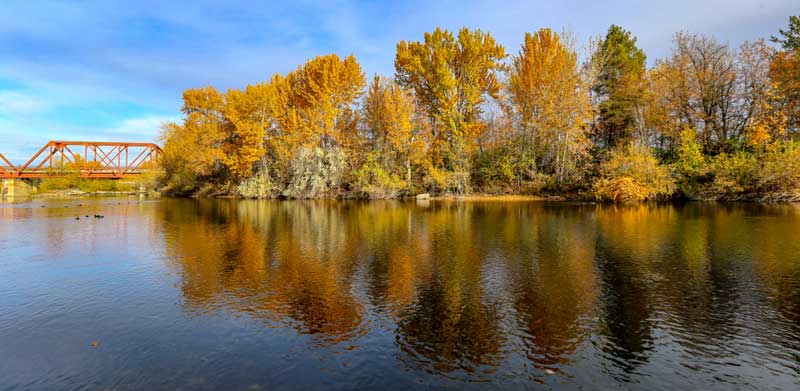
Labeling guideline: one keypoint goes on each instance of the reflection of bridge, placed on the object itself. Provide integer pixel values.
(88, 159)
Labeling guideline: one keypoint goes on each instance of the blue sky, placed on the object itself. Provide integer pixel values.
(108, 70)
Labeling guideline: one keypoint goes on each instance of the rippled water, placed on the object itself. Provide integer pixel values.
(224, 294)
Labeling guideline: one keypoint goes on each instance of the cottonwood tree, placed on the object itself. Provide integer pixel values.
(246, 113)
(393, 130)
(193, 149)
(699, 83)
(451, 78)
(549, 103)
(764, 118)
(314, 106)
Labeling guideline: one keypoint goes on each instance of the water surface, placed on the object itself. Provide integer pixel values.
(225, 294)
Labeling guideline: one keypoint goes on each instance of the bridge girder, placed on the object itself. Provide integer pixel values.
(99, 159)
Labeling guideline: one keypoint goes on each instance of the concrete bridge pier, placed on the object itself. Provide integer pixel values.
(17, 188)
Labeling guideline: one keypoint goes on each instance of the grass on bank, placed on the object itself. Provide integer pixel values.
(146, 181)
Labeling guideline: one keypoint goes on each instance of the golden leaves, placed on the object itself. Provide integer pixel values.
(549, 101)
(315, 104)
(450, 78)
(393, 131)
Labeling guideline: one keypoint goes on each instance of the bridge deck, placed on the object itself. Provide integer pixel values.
(88, 159)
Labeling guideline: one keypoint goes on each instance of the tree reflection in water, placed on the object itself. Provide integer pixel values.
(466, 289)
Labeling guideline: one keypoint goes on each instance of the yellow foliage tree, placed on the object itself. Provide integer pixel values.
(246, 113)
(550, 103)
(451, 78)
(218, 130)
(193, 149)
(769, 121)
(314, 106)
(393, 131)
(784, 72)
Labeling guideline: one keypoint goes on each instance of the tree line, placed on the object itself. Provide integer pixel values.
(462, 115)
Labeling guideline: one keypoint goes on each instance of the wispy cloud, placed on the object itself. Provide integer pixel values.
(146, 127)
(15, 103)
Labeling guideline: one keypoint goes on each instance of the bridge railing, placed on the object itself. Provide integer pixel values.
(88, 159)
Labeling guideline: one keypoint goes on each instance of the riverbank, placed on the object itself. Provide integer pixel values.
(785, 197)
(74, 193)
(774, 197)
(777, 197)
(496, 197)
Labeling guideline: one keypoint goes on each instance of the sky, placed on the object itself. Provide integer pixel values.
(115, 70)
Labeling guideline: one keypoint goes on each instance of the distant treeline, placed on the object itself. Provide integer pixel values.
(462, 116)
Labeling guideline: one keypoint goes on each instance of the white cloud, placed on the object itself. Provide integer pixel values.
(17, 103)
(143, 126)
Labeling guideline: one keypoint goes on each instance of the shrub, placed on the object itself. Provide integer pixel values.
(734, 173)
(633, 174)
(447, 182)
(495, 168)
(372, 181)
(316, 172)
(149, 180)
(95, 185)
(780, 171)
(622, 189)
(691, 166)
(458, 182)
(435, 180)
(59, 183)
(178, 178)
(536, 183)
(260, 185)
(75, 182)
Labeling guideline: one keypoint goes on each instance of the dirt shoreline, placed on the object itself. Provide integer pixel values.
(496, 197)
(751, 198)
(80, 194)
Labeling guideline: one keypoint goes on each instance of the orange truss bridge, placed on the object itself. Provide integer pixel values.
(88, 159)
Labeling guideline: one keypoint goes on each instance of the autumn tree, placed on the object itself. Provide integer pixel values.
(373, 114)
(221, 136)
(325, 90)
(549, 103)
(620, 86)
(760, 100)
(451, 78)
(246, 114)
(194, 149)
(784, 72)
(394, 133)
(314, 106)
(701, 86)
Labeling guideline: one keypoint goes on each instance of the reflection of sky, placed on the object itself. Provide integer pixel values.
(111, 70)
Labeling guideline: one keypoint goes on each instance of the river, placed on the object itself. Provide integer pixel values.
(232, 294)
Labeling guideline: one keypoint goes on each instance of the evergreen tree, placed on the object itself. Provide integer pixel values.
(620, 85)
(789, 39)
